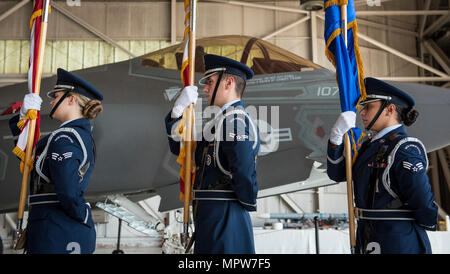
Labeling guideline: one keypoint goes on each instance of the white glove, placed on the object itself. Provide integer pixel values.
(188, 96)
(344, 123)
(30, 101)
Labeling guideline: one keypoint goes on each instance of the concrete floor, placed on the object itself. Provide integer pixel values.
(106, 245)
(129, 250)
(107, 250)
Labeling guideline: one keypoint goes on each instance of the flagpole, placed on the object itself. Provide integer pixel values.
(32, 126)
(189, 117)
(348, 158)
(351, 209)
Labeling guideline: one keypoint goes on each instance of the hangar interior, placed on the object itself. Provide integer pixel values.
(401, 40)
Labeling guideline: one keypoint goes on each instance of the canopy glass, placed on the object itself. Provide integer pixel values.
(263, 57)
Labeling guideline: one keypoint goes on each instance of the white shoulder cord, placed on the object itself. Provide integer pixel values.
(40, 162)
(390, 161)
(218, 137)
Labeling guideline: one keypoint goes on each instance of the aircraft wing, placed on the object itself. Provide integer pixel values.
(300, 98)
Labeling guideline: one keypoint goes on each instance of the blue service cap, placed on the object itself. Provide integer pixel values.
(70, 82)
(380, 90)
(215, 64)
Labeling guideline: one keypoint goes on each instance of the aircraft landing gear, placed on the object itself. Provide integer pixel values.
(118, 250)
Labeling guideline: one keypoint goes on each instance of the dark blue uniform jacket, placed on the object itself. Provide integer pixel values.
(405, 187)
(60, 220)
(224, 226)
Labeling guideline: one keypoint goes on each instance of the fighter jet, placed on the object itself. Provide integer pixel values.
(294, 102)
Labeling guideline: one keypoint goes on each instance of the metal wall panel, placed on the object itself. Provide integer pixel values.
(258, 22)
(120, 21)
(70, 55)
(12, 56)
(60, 54)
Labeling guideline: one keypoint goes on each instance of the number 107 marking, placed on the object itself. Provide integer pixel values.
(327, 91)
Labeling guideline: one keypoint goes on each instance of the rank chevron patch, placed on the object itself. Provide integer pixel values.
(413, 167)
(59, 158)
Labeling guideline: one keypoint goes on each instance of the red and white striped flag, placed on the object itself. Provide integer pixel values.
(187, 28)
(23, 124)
(185, 79)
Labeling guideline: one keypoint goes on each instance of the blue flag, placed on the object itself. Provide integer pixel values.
(346, 59)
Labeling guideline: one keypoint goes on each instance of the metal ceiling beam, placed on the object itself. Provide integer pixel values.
(12, 78)
(401, 12)
(438, 55)
(379, 26)
(443, 76)
(446, 85)
(441, 21)
(422, 23)
(260, 6)
(358, 13)
(444, 166)
(423, 19)
(14, 9)
(313, 26)
(173, 21)
(402, 55)
(285, 28)
(90, 28)
(435, 176)
(7, 80)
(414, 79)
(384, 27)
(367, 3)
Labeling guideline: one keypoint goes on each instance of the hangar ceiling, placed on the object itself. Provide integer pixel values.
(423, 23)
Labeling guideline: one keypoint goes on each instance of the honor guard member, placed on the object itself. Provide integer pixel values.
(60, 220)
(225, 187)
(394, 202)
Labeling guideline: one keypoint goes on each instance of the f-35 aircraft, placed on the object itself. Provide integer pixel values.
(294, 101)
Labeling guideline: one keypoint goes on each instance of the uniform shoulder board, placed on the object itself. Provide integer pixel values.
(413, 148)
(236, 127)
(414, 156)
(59, 135)
(403, 152)
(64, 136)
(239, 126)
(242, 129)
(409, 147)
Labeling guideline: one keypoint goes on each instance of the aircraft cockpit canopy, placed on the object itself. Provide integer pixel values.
(263, 57)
